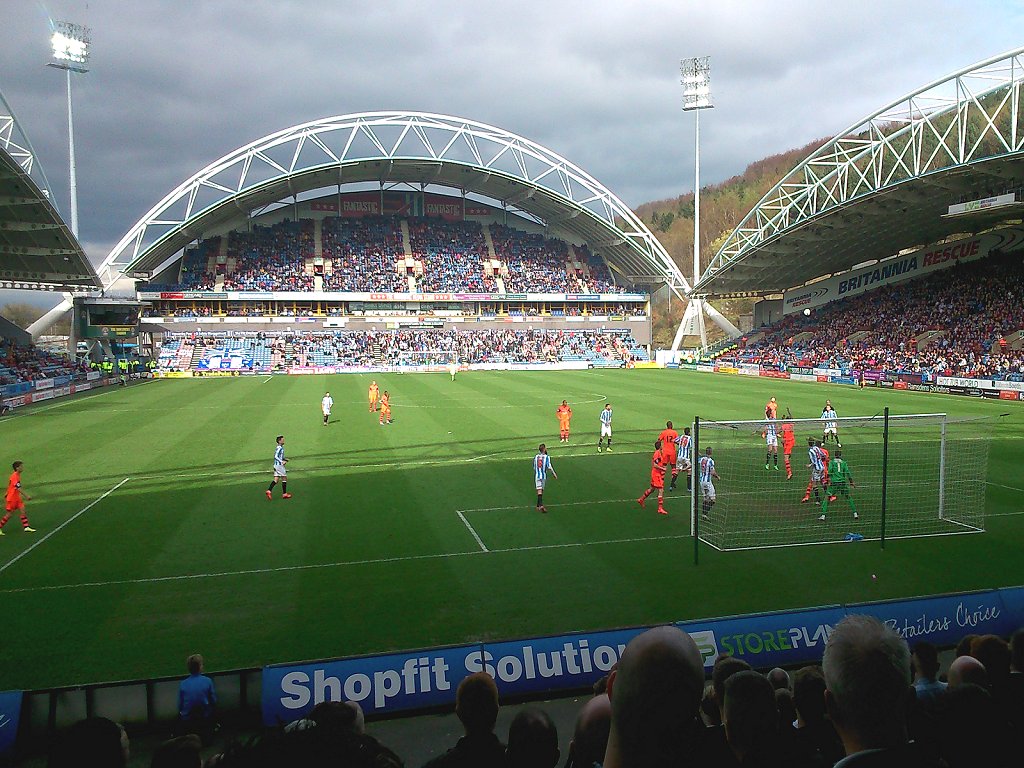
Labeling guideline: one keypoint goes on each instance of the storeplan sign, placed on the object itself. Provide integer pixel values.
(899, 268)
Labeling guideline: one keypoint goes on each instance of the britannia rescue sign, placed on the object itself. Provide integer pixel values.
(899, 268)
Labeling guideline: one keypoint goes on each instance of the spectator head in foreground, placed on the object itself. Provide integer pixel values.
(655, 694)
(532, 740)
(1017, 651)
(94, 741)
(725, 667)
(751, 718)
(967, 670)
(867, 678)
(590, 737)
(778, 677)
(182, 752)
(476, 703)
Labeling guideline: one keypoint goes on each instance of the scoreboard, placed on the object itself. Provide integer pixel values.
(106, 318)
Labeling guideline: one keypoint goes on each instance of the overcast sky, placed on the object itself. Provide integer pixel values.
(174, 85)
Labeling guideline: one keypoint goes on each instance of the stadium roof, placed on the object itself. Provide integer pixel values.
(885, 184)
(394, 148)
(37, 249)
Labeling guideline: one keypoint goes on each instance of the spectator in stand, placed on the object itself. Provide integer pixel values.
(994, 654)
(590, 737)
(779, 678)
(197, 700)
(967, 670)
(750, 719)
(815, 739)
(974, 730)
(476, 705)
(1015, 685)
(725, 667)
(867, 677)
(311, 746)
(963, 648)
(95, 742)
(655, 695)
(926, 669)
(182, 752)
(532, 740)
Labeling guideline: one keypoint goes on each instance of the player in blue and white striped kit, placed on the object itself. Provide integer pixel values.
(771, 439)
(683, 460)
(606, 427)
(279, 471)
(816, 457)
(541, 467)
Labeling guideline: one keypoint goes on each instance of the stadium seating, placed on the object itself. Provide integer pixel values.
(20, 363)
(363, 253)
(261, 351)
(950, 323)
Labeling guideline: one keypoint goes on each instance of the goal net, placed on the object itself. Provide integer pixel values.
(428, 361)
(916, 475)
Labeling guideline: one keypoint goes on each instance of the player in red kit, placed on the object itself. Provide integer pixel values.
(669, 444)
(15, 500)
(658, 466)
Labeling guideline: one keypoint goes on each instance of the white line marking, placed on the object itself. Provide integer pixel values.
(74, 517)
(572, 504)
(111, 388)
(341, 564)
(1005, 514)
(472, 530)
(1008, 487)
(266, 379)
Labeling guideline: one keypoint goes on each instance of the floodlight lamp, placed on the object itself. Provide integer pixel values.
(70, 43)
(696, 82)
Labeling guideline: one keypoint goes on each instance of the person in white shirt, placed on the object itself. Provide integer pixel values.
(325, 406)
(606, 427)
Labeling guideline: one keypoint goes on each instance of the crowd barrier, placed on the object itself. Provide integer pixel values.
(552, 665)
(911, 382)
(542, 666)
(26, 393)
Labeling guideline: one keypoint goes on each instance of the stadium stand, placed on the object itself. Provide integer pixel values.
(362, 253)
(21, 363)
(905, 713)
(959, 322)
(268, 259)
(265, 351)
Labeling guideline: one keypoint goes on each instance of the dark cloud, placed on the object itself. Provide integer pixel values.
(175, 85)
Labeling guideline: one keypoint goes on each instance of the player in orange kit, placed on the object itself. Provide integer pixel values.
(668, 438)
(564, 414)
(385, 408)
(374, 393)
(788, 443)
(15, 500)
(658, 466)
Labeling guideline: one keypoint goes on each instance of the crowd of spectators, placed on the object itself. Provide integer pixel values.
(21, 363)
(971, 308)
(872, 702)
(366, 254)
(452, 254)
(270, 258)
(363, 253)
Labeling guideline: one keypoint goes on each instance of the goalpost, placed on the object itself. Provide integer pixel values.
(428, 361)
(914, 475)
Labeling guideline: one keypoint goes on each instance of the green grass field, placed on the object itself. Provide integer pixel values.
(169, 546)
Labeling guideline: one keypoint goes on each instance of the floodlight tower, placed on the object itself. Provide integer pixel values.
(695, 77)
(71, 53)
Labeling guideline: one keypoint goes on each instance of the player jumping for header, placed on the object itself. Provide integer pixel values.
(841, 483)
(683, 460)
(788, 444)
(326, 403)
(606, 427)
(831, 425)
(817, 461)
(15, 500)
(771, 439)
(279, 471)
(706, 468)
(541, 467)
(658, 466)
(564, 414)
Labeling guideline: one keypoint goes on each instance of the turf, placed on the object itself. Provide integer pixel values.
(178, 550)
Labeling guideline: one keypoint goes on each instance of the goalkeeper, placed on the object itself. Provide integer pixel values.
(841, 479)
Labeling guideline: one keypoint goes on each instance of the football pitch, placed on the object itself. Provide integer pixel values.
(155, 538)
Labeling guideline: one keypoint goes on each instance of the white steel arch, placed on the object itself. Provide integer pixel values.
(964, 118)
(303, 157)
(15, 141)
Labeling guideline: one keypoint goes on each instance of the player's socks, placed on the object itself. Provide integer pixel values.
(643, 498)
(271, 486)
(3, 522)
(284, 486)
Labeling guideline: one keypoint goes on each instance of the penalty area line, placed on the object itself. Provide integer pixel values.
(71, 519)
(472, 530)
(341, 564)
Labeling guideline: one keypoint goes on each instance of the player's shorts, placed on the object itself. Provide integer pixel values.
(787, 448)
(540, 485)
(327, 413)
(15, 506)
(683, 464)
(280, 471)
(818, 475)
(840, 488)
(657, 479)
(606, 430)
(830, 431)
(707, 490)
(772, 441)
(670, 458)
